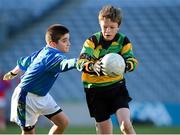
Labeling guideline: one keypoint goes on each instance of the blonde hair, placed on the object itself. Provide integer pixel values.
(112, 13)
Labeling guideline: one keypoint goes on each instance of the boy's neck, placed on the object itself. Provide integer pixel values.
(107, 43)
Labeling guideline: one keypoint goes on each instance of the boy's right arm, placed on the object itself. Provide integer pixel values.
(12, 74)
(85, 62)
(22, 65)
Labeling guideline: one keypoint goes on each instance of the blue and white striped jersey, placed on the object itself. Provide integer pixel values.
(42, 69)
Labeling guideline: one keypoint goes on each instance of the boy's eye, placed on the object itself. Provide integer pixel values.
(64, 41)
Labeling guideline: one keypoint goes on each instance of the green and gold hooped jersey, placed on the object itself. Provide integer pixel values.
(95, 48)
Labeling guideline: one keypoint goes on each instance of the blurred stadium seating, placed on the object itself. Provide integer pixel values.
(151, 25)
(15, 15)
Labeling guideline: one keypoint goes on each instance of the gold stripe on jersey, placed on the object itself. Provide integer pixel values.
(126, 48)
(132, 59)
(89, 43)
(99, 79)
(115, 43)
(97, 51)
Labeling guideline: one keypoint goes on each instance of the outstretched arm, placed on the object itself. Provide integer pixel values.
(67, 64)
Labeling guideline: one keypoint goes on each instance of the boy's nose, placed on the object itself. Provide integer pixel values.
(108, 30)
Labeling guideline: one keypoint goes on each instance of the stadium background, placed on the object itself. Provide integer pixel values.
(153, 28)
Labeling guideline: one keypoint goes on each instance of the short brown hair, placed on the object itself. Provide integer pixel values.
(114, 14)
(54, 33)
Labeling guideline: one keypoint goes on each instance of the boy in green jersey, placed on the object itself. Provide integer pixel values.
(107, 95)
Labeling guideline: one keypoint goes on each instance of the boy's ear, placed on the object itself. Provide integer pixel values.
(52, 44)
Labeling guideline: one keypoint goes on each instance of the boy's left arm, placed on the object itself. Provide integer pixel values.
(127, 53)
(67, 64)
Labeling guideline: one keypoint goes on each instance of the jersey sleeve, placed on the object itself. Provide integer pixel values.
(128, 55)
(86, 55)
(24, 62)
(67, 64)
(60, 63)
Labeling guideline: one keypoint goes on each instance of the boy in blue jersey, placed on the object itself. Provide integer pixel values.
(31, 97)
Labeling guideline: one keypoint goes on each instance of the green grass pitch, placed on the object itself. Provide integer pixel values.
(140, 129)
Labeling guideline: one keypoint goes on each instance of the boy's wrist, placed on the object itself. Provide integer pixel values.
(13, 74)
(129, 66)
(90, 66)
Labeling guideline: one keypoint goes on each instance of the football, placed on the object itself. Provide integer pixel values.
(113, 64)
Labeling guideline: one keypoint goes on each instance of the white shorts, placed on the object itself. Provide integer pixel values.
(27, 107)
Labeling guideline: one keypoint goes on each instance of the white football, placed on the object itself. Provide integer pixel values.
(113, 64)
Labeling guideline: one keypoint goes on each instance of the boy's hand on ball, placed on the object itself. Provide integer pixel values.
(97, 67)
(103, 69)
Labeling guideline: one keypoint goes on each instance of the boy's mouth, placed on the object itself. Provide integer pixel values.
(107, 35)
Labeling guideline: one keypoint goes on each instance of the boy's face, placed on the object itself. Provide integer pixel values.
(64, 43)
(109, 29)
